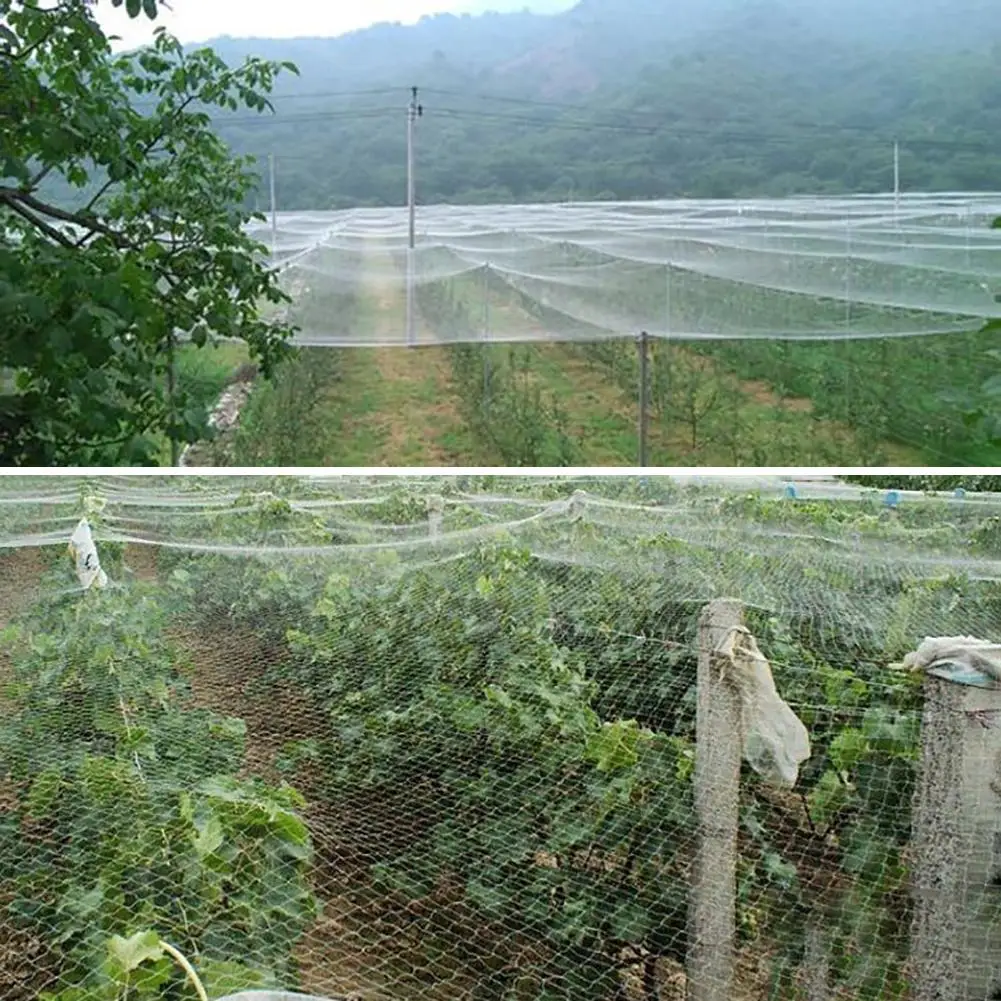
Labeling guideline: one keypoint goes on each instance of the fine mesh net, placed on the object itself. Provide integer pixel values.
(801, 327)
(425, 738)
(794, 269)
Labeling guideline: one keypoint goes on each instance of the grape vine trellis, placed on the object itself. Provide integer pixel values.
(503, 773)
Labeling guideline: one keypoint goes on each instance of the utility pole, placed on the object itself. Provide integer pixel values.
(414, 111)
(274, 208)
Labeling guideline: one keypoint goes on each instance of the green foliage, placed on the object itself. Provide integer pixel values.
(509, 408)
(546, 818)
(519, 731)
(129, 815)
(268, 591)
(92, 298)
(282, 422)
(504, 402)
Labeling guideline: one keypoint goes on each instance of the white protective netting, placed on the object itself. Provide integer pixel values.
(418, 737)
(792, 269)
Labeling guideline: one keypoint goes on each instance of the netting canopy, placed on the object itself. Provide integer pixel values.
(806, 268)
(495, 738)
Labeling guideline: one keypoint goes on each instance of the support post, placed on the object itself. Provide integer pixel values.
(712, 913)
(414, 111)
(274, 207)
(643, 345)
(849, 285)
(937, 955)
(817, 963)
(436, 515)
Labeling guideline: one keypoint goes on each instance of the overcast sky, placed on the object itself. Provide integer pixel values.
(200, 20)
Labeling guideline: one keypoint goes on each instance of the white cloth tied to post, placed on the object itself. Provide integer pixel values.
(776, 742)
(963, 659)
(84, 553)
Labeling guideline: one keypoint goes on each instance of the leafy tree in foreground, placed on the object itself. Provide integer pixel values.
(93, 299)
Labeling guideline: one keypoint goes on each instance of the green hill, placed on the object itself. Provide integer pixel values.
(635, 99)
(639, 99)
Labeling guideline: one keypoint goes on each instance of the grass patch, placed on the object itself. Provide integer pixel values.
(395, 407)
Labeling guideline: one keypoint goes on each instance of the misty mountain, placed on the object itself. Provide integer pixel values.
(639, 99)
(642, 98)
(608, 42)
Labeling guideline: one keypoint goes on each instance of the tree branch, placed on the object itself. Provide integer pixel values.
(40, 176)
(50, 231)
(57, 23)
(13, 197)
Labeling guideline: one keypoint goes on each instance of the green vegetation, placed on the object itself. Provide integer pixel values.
(128, 814)
(283, 422)
(504, 403)
(523, 753)
(93, 295)
(564, 744)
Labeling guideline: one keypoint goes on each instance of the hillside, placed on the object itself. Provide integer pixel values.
(616, 98)
(634, 99)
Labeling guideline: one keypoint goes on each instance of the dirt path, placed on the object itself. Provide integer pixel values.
(21, 570)
(396, 406)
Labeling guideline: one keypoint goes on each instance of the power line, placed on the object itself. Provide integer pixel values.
(318, 95)
(502, 99)
(646, 118)
(627, 122)
(672, 130)
(319, 116)
(311, 96)
(668, 128)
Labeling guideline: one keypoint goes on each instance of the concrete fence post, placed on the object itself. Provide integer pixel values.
(955, 852)
(712, 914)
(936, 877)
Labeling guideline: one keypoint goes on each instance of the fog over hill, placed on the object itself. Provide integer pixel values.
(638, 99)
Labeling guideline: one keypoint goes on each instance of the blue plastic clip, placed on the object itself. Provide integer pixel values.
(959, 493)
(892, 498)
(960, 674)
(790, 491)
